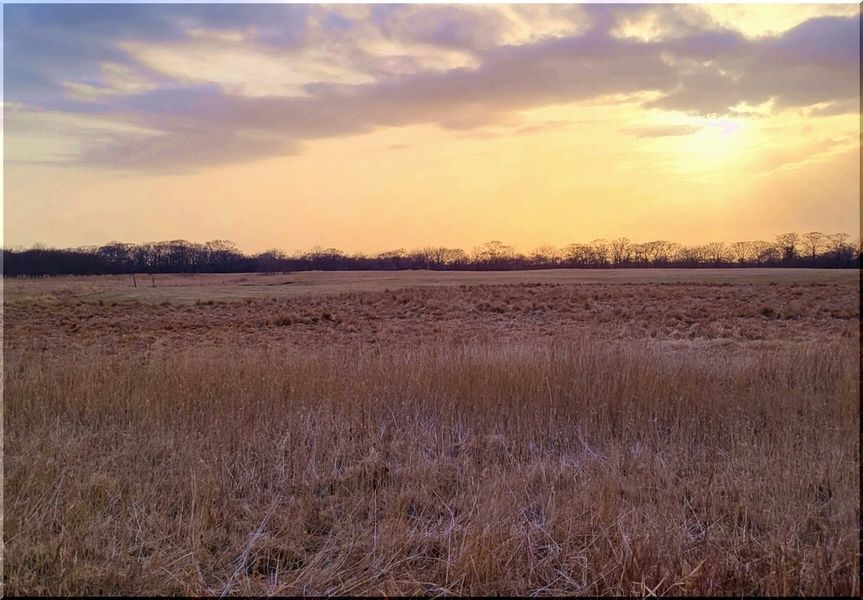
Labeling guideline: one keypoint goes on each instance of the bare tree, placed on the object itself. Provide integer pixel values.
(392, 259)
(221, 254)
(657, 252)
(577, 255)
(692, 255)
(546, 256)
(621, 251)
(763, 252)
(495, 253)
(640, 254)
(673, 250)
(116, 255)
(179, 256)
(270, 261)
(742, 251)
(841, 250)
(600, 252)
(438, 257)
(812, 243)
(430, 257)
(455, 257)
(716, 252)
(787, 244)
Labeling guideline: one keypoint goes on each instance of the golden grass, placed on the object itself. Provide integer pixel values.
(509, 451)
(680, 313)
(240, 286)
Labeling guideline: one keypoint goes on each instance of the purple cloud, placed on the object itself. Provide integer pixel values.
(697, 71)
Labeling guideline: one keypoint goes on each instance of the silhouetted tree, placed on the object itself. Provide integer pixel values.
(271, 261)
(545, 257)
(601, 252)
(786, 243)
(495, 254)
(763, 252)
(657, 252)
(841, 251)
(812, 243)
(692, 256)
(456, 258)
(393, 259)
(577, 255)
(181, 256)
(716, 253)
(221, 255)
(741, 251)
(621, 251)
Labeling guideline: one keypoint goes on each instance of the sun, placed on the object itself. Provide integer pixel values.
(716, 145)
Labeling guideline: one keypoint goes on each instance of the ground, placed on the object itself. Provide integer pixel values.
(583, 432)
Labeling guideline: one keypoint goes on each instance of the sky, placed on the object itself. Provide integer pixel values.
(377, 127)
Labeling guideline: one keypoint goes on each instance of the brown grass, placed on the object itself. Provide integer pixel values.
(189, 288)
(729, 314)
(477, 440)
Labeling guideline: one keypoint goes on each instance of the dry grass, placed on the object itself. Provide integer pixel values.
(179, 288)
(478, 440)
(765, 314)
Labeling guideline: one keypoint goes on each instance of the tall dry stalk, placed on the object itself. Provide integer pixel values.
(516, 467)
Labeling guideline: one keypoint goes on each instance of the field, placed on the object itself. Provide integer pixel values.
(205, 287)
(643, 432)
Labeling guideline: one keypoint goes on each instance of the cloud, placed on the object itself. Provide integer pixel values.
(653, 131)
(474, 28)
(243, 69)
(190, 148)
(842, 107)
(650, 23)
(815, 62)
(117, 79)
(226, 83)
(542, 127)
(49, 137)
(509, 80)
(795, 157)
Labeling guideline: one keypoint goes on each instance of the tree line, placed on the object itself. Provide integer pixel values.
(808, 250)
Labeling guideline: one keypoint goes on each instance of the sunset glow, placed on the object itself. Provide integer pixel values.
(369, 128)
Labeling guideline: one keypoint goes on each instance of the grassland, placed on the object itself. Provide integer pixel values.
(695, 433)
(225, 287)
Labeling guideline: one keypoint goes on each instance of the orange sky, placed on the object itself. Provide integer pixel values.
(399, 127)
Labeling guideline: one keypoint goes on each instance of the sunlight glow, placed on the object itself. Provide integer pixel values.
(387, 126)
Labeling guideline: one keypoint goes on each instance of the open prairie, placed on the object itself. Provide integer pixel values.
(180, 288)
(673, 432)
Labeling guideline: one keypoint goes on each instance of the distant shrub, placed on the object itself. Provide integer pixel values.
(284, 320)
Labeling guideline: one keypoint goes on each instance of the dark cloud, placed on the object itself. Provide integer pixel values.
(826, 41)
(813, 63)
